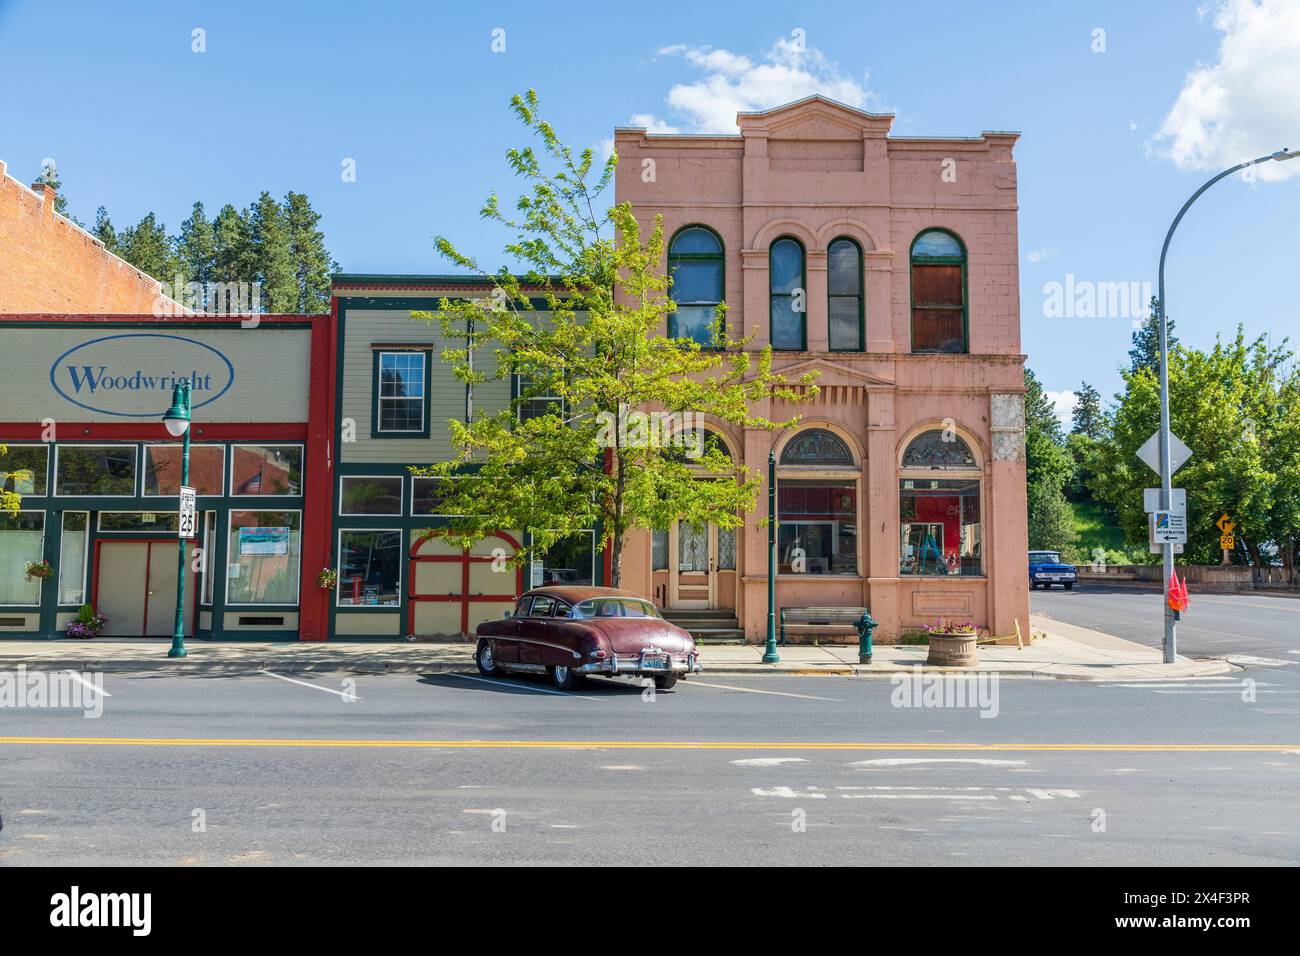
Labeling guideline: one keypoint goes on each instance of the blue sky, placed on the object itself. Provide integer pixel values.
(413, 92)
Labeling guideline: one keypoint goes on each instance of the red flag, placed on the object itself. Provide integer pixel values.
(1178, 596)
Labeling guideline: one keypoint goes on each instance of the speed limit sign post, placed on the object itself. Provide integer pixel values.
(187, 522)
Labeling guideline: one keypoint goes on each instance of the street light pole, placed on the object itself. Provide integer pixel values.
(177, 421)
(770, 656)
(1166, 472)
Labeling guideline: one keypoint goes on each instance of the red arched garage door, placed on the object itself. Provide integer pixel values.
(453, 591)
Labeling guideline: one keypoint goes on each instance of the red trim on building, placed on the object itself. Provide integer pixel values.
(318, 483)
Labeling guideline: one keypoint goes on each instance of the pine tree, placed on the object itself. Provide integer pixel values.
(273, 255)
(103, 231)
(312, 262)
(1088, 418)
(146, 246)
(197, 246)
(50, 177)
(232, 246)
(1145, 352)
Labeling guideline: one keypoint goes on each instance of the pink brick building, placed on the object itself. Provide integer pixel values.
(888, 265)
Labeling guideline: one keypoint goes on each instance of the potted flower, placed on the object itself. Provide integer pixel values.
(327, 578)
(39, 569)
(952, 643)
(87, 624)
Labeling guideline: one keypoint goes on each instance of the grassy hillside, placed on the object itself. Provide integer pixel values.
(1096, 530)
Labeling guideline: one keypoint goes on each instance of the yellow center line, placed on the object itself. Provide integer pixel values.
(634, 744)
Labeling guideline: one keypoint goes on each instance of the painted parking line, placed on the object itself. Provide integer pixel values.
(303, 683)
(753, 690)
(701, 745)
(87, 684)
(516, 685)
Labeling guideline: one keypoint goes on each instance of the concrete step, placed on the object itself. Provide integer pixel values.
(710, 613)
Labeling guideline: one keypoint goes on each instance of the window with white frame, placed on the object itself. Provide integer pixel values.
(22, 469)
(370, 568)
(370, 495)
(22, 540)
(162, 469)
(400, 402)
(72, 557)
(265, 470)
(262, 563)
(95, 470)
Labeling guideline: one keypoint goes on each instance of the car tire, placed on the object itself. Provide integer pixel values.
(564, 678)
(1069, 585)
(665, 681)
(487, 664)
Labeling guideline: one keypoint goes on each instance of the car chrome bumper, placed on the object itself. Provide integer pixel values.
(684, 664)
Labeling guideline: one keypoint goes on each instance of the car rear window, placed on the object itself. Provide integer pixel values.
(1045, 557)
(614, 607)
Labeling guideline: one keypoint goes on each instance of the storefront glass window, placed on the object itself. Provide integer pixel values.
(942, 532)
(209, 555)
(162, 469)
(370, 568)
(72, 557)
(370, 495)
(570, 561)
(22, 469)
(22, 539)
(266, 470)
(95, 470)
(263, 560)
(817, 530)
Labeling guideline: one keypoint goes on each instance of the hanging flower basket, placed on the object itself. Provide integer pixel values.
(328, 578)
(39, 569)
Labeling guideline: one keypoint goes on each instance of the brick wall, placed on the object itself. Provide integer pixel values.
(51, 265)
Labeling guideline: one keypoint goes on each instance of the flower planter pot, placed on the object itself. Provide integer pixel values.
(953, 650)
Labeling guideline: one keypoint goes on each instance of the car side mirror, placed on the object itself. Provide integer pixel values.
(505, 615)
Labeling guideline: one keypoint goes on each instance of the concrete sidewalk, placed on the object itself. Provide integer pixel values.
(1059, 651)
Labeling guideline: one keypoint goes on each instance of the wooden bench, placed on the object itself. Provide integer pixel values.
(821, 621)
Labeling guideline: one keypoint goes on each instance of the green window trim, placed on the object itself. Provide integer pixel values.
(720, 257)
(772, 295)
(929, 260)
(376, 360)
(832, 296)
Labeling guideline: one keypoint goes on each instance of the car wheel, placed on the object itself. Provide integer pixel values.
(487, 664)
(665, 681)
(1069, 585)
(565, 678)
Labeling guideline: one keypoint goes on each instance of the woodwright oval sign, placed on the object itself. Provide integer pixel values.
(131, 375)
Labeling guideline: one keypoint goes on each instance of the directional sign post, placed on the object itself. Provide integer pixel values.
(1227, 540)
(187, 527)
(1164, 453)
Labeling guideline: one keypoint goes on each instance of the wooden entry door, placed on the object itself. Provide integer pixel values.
(702, 566)
(135, 588)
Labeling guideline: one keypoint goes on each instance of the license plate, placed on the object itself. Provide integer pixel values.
(654, 663)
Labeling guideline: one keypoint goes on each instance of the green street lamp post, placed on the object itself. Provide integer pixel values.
(1166, 471)
(177, 421)
(770, 656)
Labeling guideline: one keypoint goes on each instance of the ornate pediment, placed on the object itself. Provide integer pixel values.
(816, 118)
(829, 372)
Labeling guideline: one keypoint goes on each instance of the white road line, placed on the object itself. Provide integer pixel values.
(767, 761)
(752, 690)
(906, 761)
(303, 683)
(85, 683)
(518, 685)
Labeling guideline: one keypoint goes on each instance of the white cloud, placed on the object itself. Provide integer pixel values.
(1064, 403)
(1038, 255)
(1246, 104)
(735, 83)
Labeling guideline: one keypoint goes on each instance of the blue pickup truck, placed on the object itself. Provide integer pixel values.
(1046, 568)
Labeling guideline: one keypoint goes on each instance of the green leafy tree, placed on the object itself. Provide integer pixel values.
(590, 459)
(1049, 469)
(103, 231)
(1230, 405)
(312, 261)
(272, 248)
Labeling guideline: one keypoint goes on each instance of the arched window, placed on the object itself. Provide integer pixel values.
(940, 518)
(695, 265)
(817, 492)
(844, 289)
(788, 295)
(938, 293)
(817, 446)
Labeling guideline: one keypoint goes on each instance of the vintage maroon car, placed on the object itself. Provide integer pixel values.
(569, 632)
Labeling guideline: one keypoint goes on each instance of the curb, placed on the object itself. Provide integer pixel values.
(1210, 666)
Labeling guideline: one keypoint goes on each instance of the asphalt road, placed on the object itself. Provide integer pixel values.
(780, 770)
(1215, 625)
